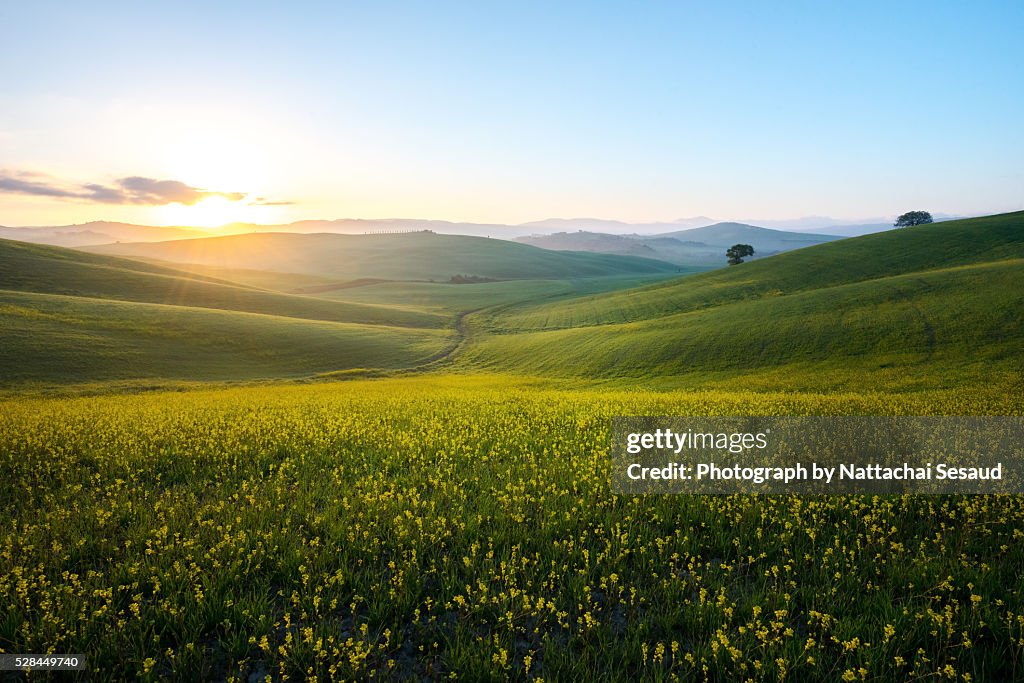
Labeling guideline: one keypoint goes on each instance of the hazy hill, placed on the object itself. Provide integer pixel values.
(362, 226)
(696, 247)
(764, 240)
(596, 242)
(930, 301)
(45, 269)
(409, 256)
(106, 232)
(71, 317)
(97, 232)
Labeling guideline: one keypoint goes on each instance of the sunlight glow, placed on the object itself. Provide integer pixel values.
(214, 212)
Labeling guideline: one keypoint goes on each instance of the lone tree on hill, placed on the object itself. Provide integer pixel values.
(737, 252)
(912, 218)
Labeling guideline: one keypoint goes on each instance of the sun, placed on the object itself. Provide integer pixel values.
(212, 212)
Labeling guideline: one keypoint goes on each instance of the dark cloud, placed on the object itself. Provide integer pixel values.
(131, 190)
(18, 183)
(149, 191)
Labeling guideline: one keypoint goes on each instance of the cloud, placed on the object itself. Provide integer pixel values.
(19, 183)
(130, 190)
(263, 201)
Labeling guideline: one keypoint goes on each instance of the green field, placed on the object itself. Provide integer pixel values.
(405, 256)
(459, 298)
(446, 511)
(53, 270)
(417, 528)
(75, 318)
(931, 323)
(938, 246)
(51, 340)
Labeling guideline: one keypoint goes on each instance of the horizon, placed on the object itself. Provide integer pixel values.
(282, 115)
(795, 224)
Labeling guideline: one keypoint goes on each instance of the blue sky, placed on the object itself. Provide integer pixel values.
(509, 112)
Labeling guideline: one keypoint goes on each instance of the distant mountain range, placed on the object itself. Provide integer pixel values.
(98, 232)
(108, 232)
(105, 232)
(694, 247)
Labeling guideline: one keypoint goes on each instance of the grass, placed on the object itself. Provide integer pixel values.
(893, 253)
(54, 270)
(423, 527)
(452, 298)
(52, 340)
(929, 323)
(932, 307)
(925, 307)
(289, 283)
(461, 521)
(410, 256)
(698, 248)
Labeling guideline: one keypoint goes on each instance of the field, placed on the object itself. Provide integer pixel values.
(429, 527)
(214, 479)
(406, 256)
(54, 340)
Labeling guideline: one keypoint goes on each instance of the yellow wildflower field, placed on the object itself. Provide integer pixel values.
(465, 527)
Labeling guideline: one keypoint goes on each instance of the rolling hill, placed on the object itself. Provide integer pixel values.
(69, 317)
(55, 270)
(407, 256)
(52, 339)
(937, 298)
(931, 306)
(97, 232)
(702, 247)
(764, 240)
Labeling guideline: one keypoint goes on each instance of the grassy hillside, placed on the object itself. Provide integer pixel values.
(50, 339)
(54, 270)
(967, 317)
(692, 255)
(275, 281)
(891, 303)
(596, 242)
(701, 248)
(443, 297)
(409, 256)
(941, 245)
(930, 306)
(724, 235)
(97, 232)
(73, 317)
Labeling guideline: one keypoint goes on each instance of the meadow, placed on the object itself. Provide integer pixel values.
(463, 527)
(292, 475)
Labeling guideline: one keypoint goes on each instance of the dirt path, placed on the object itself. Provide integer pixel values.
(439, 358)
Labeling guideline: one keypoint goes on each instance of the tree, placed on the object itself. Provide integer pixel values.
(912, 218)
(737, 252)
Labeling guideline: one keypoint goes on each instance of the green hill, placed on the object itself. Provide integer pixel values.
(51, 339)
(55, 270)
(897, 252)
(700, 248)
(932, 306)
(764, 240)
(408, 256)
(942, 298)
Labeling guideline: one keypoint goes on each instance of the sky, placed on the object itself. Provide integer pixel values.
(196, 113)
